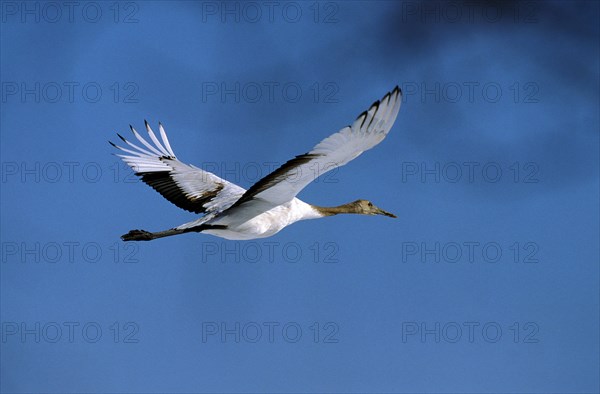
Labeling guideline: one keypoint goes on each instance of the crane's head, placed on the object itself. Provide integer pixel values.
(365, 207)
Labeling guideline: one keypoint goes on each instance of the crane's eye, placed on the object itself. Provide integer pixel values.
(370, 204)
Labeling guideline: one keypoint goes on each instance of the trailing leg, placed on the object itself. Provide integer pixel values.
(143, 235)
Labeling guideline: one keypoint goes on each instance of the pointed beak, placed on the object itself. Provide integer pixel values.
(382, 212)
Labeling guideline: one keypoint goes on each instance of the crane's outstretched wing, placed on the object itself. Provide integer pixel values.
(186, 186)
(283, 184)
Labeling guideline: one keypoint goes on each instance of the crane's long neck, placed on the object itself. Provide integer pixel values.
(330, 211)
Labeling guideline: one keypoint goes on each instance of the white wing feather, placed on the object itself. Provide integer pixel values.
(283, 184)
(185, 185)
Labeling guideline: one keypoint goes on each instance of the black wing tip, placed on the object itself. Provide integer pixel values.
(121, 137)
(394, 92)
(366, 113)
(112, 143)
(376, 106)
(363, 113)
(146, 124)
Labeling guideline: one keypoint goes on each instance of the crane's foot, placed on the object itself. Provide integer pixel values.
(138, 235)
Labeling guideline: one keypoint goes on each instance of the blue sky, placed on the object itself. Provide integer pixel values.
(487, 282)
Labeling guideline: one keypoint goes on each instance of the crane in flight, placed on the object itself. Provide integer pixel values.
(270, 205)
